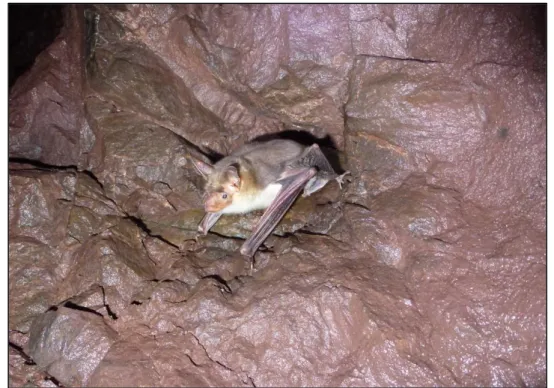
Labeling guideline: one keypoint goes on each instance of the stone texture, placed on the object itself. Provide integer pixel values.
(70, 343)
(427, 269)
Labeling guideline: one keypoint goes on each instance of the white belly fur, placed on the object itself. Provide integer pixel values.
(248, 203)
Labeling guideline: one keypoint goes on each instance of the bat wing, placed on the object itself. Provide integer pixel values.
(208, 221)
(293, 181)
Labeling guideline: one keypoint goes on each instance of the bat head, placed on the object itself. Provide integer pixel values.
(220, 189)
(222, 183)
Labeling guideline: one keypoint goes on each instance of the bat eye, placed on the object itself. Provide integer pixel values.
(224, 195)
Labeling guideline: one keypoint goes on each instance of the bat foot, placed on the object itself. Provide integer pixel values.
(318, 182)
(340, 178)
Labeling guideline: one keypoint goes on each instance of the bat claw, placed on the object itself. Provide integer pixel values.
(340, 178)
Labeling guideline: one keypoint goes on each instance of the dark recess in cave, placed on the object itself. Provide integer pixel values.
(31, 28)
(538, 22)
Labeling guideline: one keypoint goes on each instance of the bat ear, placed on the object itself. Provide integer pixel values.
(203, 168)
(232, 177)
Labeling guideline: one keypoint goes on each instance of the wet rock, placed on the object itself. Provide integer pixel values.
(69, 344)
(428, 268)
(39, 208)
(32, 281)
(93, 212)
(145, 359)
(116, 261)
(40, 202)
(46, 117)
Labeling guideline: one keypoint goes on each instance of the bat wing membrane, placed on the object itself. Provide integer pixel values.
(293, 181)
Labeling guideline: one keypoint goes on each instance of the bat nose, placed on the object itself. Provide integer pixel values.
(209, 205)
(211, 208)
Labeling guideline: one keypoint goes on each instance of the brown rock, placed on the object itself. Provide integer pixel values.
(46, 116)
(69, 344)
(427, 269)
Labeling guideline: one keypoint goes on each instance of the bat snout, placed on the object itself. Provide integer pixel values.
(214, 203)
(212, 208)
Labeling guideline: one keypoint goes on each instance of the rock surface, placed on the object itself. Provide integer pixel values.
(427, 269)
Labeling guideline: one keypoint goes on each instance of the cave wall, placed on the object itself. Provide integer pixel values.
(428, 268)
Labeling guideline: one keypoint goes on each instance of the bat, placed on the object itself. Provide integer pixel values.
(262, 175)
